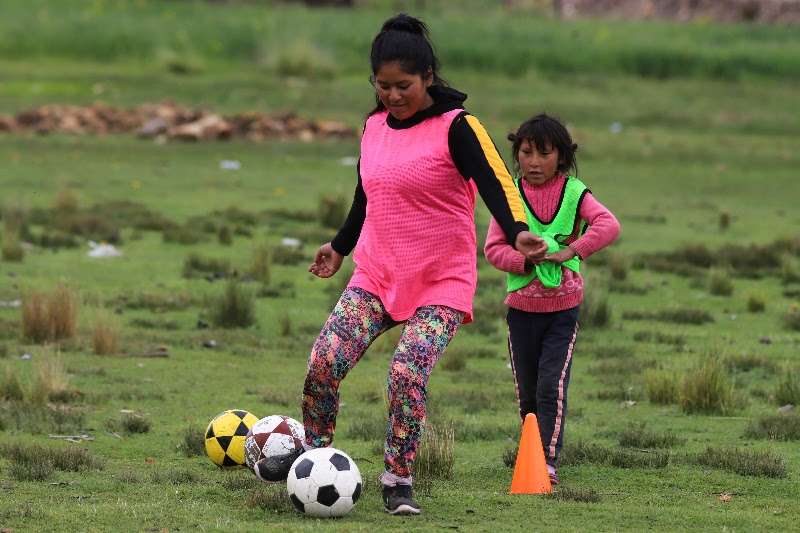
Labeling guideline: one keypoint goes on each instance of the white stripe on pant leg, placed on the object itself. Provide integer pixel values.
(551, 449)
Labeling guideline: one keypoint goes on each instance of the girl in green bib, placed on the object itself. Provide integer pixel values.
(543, 300)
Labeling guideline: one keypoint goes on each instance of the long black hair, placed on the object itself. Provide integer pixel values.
(404, 39)
(539, 130)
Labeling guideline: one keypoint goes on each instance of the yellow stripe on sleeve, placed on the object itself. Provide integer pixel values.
(500, 170)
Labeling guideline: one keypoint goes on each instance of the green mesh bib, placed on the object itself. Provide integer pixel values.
(554, 234)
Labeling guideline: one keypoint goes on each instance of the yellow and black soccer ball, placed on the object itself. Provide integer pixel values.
(225, 438)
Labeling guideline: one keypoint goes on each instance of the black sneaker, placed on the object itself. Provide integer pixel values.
(276, 469)
(398, 500)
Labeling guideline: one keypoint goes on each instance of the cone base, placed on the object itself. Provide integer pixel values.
(530, 472)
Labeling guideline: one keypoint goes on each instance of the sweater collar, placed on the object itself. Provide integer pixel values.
(444, 99)
(556, 183)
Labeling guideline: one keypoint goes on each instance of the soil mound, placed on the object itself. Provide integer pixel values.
(168, 120)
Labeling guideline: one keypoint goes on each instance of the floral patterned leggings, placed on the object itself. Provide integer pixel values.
(356, 321)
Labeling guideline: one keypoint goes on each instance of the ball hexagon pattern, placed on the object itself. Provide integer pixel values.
(272, 436)
(324, 483)
(225, 437)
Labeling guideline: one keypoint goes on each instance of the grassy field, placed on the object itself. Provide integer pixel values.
(690, 332)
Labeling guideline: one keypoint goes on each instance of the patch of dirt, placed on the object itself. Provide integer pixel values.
(168, 120)
(778, 12)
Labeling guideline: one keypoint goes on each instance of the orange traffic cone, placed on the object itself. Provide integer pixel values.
(530, 472)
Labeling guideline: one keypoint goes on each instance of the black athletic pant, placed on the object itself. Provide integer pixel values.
(540, 346)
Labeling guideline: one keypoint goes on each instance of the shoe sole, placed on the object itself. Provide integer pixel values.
(275, 470)
(403, 509)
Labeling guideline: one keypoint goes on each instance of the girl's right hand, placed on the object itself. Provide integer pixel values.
(327, 262)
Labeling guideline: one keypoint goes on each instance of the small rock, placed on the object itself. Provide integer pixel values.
(152, 128)
(788, 408)
(291, 242)
(230, 164)
(765, 340)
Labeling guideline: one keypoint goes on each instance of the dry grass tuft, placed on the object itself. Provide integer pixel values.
(10, 246)
(743, 462)
(788, 390)
(454, 360)
(105, 332)
(705, 387)
(224, 235)
(662, 387)
(790, 269)
(65, 200)
(135, 423)
(619, 265)
(369, 425)
(35, 318)
(596, 310)
(261, 268)
(233, 308)
(780, 427)
(580, 453)
(436, 451)
(720, 282)
(34, 462)
(332, 210)
(756, 301)
(44, 379)
(269, 498)
(50, 316)
(790, 319)
(574, 495)
(49, 377)
(36, 419)
(638, 436)
(193, 442)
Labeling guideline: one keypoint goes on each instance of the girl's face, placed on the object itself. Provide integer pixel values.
(538, 167)
(402, 93)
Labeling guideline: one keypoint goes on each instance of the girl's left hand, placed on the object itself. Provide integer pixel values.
(561, 256)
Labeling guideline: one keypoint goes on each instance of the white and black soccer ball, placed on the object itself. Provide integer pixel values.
(272, 436)
(324, 482)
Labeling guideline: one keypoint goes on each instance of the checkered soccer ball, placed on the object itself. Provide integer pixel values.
(324, 483)
(272, 436)
(225, 438)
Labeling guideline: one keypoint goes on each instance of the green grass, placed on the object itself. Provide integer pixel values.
(693, 145)
(323, 42)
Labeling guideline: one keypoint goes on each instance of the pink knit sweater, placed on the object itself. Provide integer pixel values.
(603, 230)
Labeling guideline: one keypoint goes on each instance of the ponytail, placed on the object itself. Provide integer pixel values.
(404, 39)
